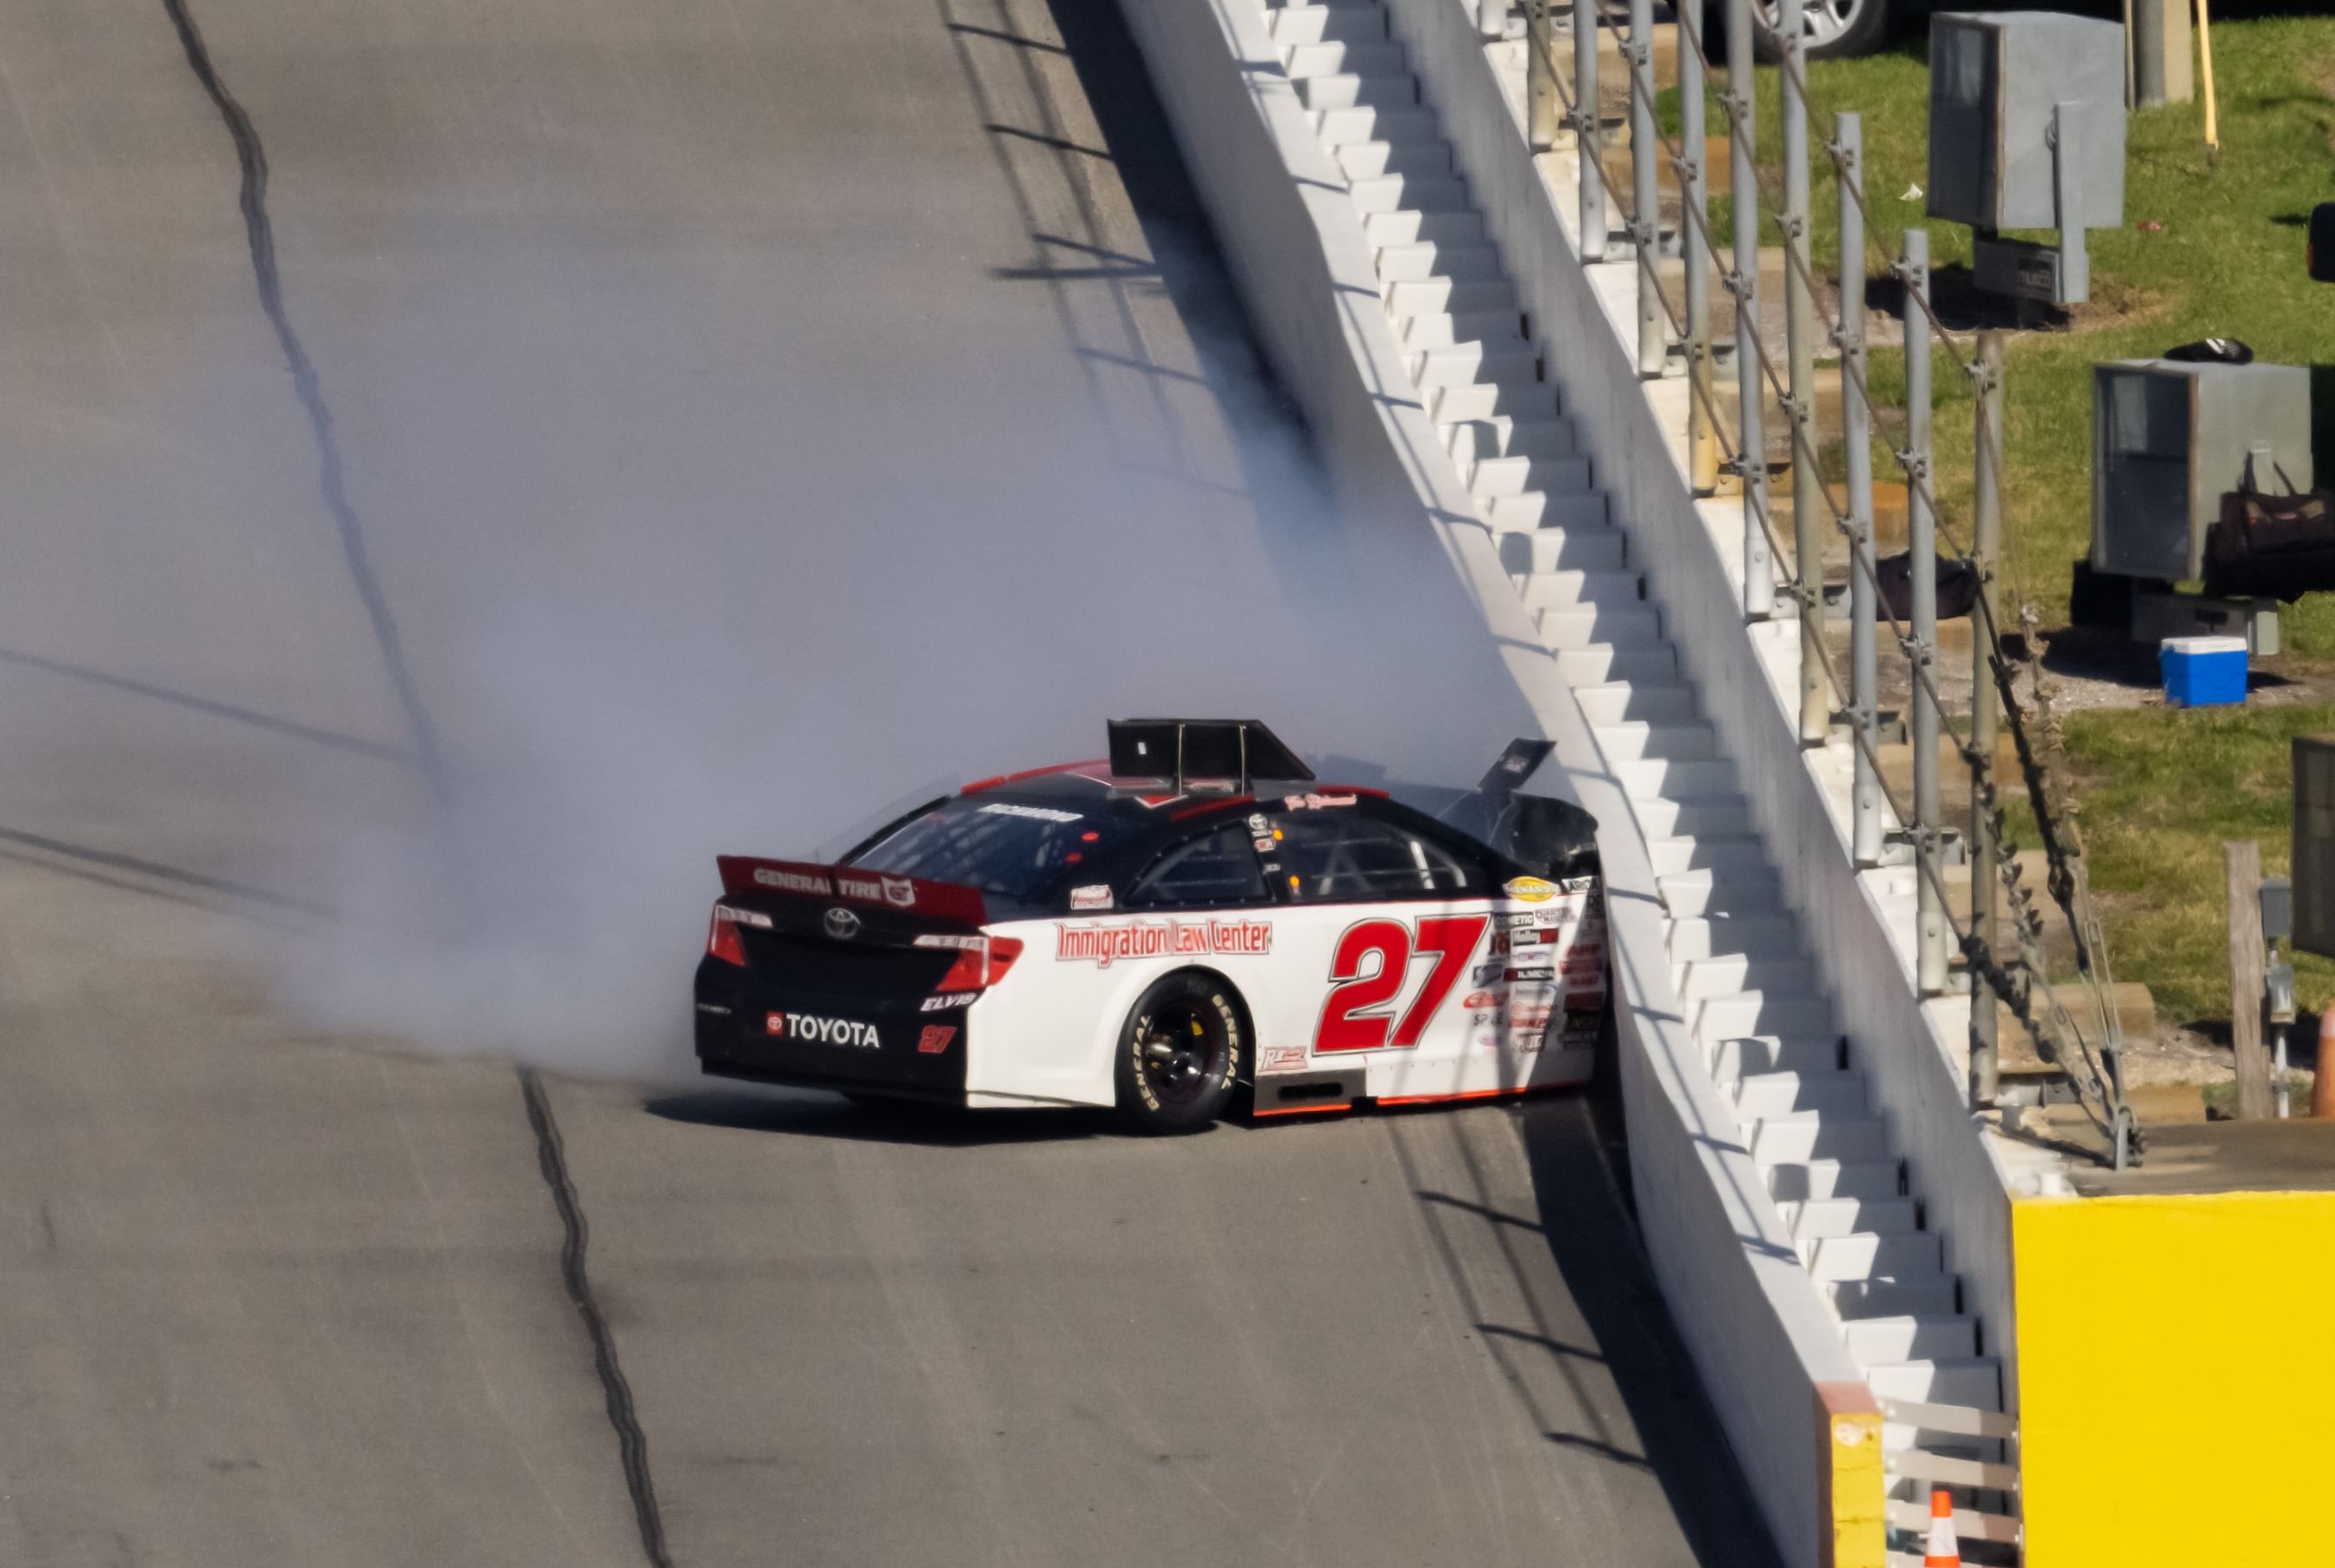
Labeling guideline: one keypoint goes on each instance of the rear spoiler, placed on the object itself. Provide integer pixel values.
(913, 895)
(1178, 750)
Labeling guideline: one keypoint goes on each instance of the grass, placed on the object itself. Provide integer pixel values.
(2225, 258)
(2206, 250)
(2162, 790)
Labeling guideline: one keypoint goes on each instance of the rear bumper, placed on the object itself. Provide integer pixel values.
(745, 1031)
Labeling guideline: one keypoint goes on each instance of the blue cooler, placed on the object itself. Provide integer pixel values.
(2202, 671)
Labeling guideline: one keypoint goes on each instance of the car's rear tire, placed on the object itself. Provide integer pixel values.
(1181, 1053)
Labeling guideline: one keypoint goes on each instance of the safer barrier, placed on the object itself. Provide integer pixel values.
(1694, 565)
(1766, 1342)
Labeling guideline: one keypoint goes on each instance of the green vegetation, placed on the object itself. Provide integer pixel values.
(2205, 251)
(2161, 791)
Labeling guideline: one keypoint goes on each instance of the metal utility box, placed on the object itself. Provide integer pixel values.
(2168, 439)
(1996, 78)
(2315, 845)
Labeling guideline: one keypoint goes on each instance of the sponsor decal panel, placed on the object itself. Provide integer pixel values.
(1104, 945)
(1487, 973)
(941, 1002)
(1096, 895)
(793, 881)
(936, 1039)
(1482, 999)
(1035, 813)
(1283, 1059)
(816, 1029)
(717, 1010)
(1315, 802)
(1529, 889)
(897, 891)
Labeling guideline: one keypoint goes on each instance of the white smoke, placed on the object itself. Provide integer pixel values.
(704, 673)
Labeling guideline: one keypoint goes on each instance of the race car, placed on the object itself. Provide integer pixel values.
(1192, 919)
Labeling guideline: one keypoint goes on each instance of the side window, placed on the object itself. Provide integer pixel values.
(1337, 855)
(1217, 867)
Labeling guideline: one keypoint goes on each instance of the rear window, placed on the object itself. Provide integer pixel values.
(1014, 848)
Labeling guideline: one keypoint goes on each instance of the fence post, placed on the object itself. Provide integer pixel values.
(1587, 141)
(1986, 546)
(1856, 433)
(1540, 75)
(1811, 504)
(1922, 544)
(1703, 445)
(1645, 194)
(2242, 867)
(1751, 441)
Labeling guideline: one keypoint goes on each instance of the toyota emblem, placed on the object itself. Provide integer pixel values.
(842, 924)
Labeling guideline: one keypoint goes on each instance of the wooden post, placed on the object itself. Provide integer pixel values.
(2242, 861)
(2180, 49)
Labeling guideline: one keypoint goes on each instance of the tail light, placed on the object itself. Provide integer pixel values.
(981, 960)
(721, 942)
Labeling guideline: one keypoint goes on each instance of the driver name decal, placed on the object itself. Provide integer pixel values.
(1104, 946)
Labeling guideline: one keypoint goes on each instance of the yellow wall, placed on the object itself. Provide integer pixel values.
(1848, 1438)
(2177, 1380)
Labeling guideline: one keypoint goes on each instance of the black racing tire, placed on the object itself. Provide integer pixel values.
(1181, 1054)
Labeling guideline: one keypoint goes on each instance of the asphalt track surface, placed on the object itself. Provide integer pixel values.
(277, 1293)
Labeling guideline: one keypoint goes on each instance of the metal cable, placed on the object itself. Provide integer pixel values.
(2067, 885)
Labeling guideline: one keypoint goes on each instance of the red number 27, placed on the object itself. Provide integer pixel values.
(1360, 1010)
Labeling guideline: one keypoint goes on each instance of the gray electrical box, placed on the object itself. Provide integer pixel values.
(1995, 79)
(2169, 439)
(2277, 900)
(2315, 845)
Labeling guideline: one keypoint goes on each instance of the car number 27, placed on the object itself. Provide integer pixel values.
(1360, 1014)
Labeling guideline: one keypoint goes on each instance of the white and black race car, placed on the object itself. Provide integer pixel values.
(1160, 930)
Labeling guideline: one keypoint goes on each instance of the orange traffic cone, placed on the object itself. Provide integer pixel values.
(1940, 1551)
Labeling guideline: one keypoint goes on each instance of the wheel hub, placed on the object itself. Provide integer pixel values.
(1177, 1055)
(1821, 21)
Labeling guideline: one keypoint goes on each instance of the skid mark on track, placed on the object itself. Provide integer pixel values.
(259, 233)
(632, 1443)
(440, 1251)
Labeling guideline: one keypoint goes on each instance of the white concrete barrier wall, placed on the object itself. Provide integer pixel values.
(1759, 1331)
(1692, 559)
